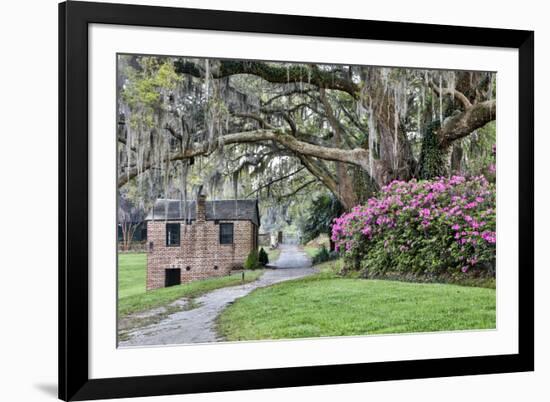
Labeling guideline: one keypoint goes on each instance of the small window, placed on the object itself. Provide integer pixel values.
(172, 234)
(226, 233)
(172, 277)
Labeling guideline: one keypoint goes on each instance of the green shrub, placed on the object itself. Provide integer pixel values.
(333, 255)
(445, 226)
(323, 255)
(263, 258)
(252, 261)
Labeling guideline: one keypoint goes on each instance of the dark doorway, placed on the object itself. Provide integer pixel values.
(172, 277)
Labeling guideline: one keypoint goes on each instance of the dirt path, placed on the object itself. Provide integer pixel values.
(291, 257)
(197, 325)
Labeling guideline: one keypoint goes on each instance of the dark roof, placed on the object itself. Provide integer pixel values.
(219, 209)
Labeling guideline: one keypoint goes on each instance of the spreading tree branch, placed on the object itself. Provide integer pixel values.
(356, 156)
(448, 91)
(271, 73)
(462, 124)
(300, 188)
(286, 176)
(320, 172)
(263, 123)
(295, 90)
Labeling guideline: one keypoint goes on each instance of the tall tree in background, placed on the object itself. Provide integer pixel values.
(130, 216)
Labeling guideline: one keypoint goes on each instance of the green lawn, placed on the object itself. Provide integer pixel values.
(273, 254)
(132, 269)
(311, 250)
(133, 298)
(325, 305)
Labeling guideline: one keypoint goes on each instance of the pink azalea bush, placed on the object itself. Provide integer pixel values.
(446, 225)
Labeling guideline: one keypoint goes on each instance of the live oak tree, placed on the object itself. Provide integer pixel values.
(279, 130)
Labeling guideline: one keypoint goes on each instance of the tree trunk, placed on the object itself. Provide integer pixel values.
(456, 159)
(345, 190)
(128, 231)
(432, 156)
(392, 148)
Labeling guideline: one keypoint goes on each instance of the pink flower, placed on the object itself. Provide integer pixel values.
(489, 237)
(366, 230)
(407, 209)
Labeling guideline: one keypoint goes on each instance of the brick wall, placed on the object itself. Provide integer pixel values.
(199, 251)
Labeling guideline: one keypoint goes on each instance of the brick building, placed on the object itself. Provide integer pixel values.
(198, 239)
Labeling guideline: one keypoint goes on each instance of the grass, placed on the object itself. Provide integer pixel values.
(132, 269)
(311, 250)
(131, 281)
(273, 254)
(326, 305)
(313, 246)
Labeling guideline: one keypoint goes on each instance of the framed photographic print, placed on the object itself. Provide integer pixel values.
(258, 201)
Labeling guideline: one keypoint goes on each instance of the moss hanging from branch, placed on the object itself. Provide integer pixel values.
(432, 157)
(363, 185)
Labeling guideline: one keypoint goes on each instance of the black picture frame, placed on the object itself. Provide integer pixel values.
(74, 381)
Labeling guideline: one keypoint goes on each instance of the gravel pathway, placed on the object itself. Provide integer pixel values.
(197, 325)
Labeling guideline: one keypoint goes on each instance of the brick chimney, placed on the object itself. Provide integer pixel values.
(201, 208)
